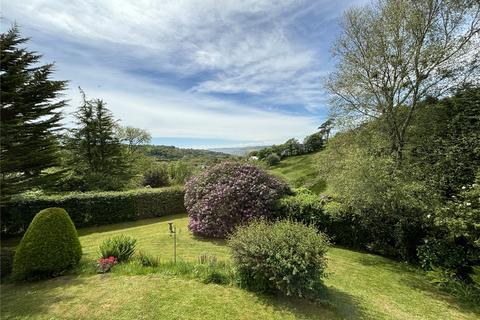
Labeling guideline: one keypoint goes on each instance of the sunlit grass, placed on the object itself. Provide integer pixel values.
(359, 286)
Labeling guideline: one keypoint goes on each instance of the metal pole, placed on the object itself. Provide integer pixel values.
(175, 245)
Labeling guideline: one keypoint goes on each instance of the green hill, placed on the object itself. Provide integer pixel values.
(301, 171)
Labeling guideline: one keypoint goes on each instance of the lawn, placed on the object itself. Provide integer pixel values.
(359, 286)
(300, 171)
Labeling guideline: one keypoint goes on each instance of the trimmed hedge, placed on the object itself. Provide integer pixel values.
(49, 247)
(304, 206)
(94, 208)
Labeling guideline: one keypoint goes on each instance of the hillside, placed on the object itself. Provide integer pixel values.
(300, 171)
(171, 153)
(240, 151)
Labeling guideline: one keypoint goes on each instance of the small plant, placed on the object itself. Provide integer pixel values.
(147, 260)
(156, 176)
(205, 258)
(285, 256)
(122, 247)
(105, 264)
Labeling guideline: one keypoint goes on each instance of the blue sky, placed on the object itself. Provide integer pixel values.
(204, 73)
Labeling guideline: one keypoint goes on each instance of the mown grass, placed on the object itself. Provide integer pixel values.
(300, 171)
(359, 286)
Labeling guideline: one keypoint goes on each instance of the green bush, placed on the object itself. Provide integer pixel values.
(156, 176)
(121, 247)
(285, 256)
(147, 260)
(6, 261)
(49, 247)
(304, 206)
(180, 171)
(94, 208)
(273, 159)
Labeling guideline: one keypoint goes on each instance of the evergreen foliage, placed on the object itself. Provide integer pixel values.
(30, 117)
(49, 247)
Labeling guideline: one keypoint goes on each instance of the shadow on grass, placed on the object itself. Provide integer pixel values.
(33, 299)
(127, 225)
(333, 304)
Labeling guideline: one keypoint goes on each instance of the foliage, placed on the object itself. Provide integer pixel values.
(133, 137)
(304, 206)
(30, 118)
(6, 261)
(104, 265)
(180, 171)
(170, 153)
(230, 194)
(454, 243)
(147, 260)
(96, 156)
(121, 247)
(313, 142)
(448, 281)
(94, 208)
(156, 176)
(49, 247)
(285, 256)
(394, 54)
(272, 159)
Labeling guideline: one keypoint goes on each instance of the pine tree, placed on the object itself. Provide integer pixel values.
(30, 117)
(97, 156)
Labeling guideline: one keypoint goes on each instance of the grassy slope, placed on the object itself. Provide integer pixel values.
(359, 286)
(300, 171)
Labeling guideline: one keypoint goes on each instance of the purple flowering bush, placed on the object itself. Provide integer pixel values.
(230, 194)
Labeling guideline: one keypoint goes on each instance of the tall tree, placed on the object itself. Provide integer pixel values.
(394, 53)
(30, 117)
(97, 156)
(133, 137)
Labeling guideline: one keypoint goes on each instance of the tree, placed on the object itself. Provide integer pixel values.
(394, 53)
(133, 137)
(313, 142)
(30, 117)
(97, 156)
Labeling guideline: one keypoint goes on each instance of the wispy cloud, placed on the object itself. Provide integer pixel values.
(202, 68)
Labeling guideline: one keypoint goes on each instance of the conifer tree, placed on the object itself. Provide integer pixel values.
(30, 117)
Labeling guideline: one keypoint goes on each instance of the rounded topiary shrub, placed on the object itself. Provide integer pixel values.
(49, 247)
(284, 256)
(230, 194)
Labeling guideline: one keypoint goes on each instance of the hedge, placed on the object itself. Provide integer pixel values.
(94, 208)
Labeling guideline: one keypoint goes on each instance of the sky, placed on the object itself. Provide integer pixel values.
(201, 74)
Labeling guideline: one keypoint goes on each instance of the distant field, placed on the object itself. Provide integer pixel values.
(300, 171)
(359, 286)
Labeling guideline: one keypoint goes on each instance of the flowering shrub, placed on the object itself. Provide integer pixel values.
(105, 264)
(230, 194)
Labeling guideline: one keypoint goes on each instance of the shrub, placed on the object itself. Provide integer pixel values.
(285, 256)
(106, 264)
(229, 194)
(94, 208)
(147, 260)
(6, 261)
(303, 206)
(180, 171)
(49, 247)
(156, 176)
(121, 247)
(272, 159)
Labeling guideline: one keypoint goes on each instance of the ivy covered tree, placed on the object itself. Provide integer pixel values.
(97, 157)
(30, 117)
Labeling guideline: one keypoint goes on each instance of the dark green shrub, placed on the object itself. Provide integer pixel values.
(304, 206)
(6, 261)
(215, 276)
(147, 260)
(285, 256)
(273, 159)
(94, 208)
(121, 247)
(49, 247)
(156, 176)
